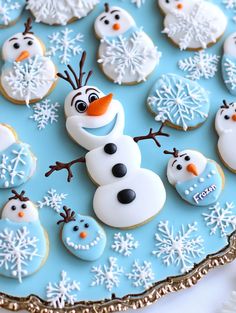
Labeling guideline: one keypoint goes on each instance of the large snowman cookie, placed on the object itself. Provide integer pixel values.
(126, 53)
(60, 12)
(27, 75)
(17, 163)
(193, 25)
(198, 180)
(225, 124)
(23, 241)
(229, 64)
(128, 195)
(10, 11)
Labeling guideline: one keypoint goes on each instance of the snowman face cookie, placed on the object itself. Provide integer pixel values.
(82, 235)
(228, 63)
(198, 180)
(170, 6)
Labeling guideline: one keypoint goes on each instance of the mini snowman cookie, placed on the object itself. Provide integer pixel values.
(225, 124)
(60, 12)
(17, 162)
(27, 75)
(82, 235)
(24, 243)
(229, 64)
(126, 53)
(198, 180)
(193, 25)
(10, 11)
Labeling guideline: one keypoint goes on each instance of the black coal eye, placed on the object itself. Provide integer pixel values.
(81, 221)
(24, 206)
(106, 22)
(81, 106)
(227, 117)
(30, 43)
(167, 1)
(117, 16)
(13, 208)
(16, 45)
(86, 225)
(75, 228)
(93, 97)
(187, 158)
(179, 167)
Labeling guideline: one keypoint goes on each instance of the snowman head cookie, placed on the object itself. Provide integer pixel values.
(171, 6)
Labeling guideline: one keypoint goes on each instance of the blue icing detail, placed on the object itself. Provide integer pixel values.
(89, 248)
(229, 72)
(16, 165)
(10, 11)
(27, 237)
(179, 101)
(203, 190)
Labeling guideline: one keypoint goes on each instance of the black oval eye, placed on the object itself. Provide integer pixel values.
(117, 16)
(179, 167)
(81, 106)
(86, 225)
(24, 206)
(167, 1)
(187, 158)
(30, 43)
(13, 208)
(106, 22)
(93, 97)
(16, 45)
(81, 221)
(75, 228)
(227, 117)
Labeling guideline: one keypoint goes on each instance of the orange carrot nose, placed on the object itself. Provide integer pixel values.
(99, 106)
(21, 214)
(191, 168)
(24, 55)
(116, 26)
(234, 117)
(180, 6)
(83, 235)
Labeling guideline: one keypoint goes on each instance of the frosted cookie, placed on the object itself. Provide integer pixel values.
(128, 195)
(24, 243)
(10, 11)
(17, 162)
(193, 25)
(225, 124)
(126, 53)
(27, 75)
(82, 235)
(179, 102)
(60, 12)
(229, 64)
(198, 180)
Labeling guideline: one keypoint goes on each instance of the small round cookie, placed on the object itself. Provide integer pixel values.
(60, 12)
(24, 242)
(10, 12)
(225, 124)
(179, 102)
(228, 64)
(193, 25)
(27, 74)
(126, 53)
(82, 235)
(17, 162)
(198, 180)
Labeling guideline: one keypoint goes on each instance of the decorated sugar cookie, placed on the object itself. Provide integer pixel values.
(23, 241)
(128, 195)
(198, 180)
(10, 11)
(17, 162)
(229, 64)
(126, 53)
(27, 75)
(180, 102)
(193, 25)
(225, 124)
(60, 12)
(82, 235)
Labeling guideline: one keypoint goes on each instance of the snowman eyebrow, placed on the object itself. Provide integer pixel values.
(115, 11)
(87, 90)
(28, 38)
(102, 18)
(14, 38)
(78, 94)
(174, 162)
(183, 155)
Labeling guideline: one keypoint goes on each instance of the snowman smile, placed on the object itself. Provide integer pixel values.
(88, 246)
(103, 130)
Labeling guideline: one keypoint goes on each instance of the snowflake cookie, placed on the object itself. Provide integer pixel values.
(27, 74)
(10, 11)
(60, 12)
(229, 64)
(126, 53)
(17, 162)
(193, 25)
(178, 101)
(23, 241)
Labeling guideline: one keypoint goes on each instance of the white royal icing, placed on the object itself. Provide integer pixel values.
(7, 137)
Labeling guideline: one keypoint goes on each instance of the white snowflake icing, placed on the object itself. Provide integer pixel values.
(129, 55)
(6, 7)
(179, 248)
(124, 244)
(142, 275)
(221, 219)
(59, 294)
(230, 306)
(230, 70)
(138, 3)
(17, 249)
(65, 45)
(231, 4)
(107, 275)
(200, 65)
(45, 112)
(195, 25)
(53, 200)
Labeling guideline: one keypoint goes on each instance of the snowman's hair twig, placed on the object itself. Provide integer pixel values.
(107, 7)
(28, 26)
(175, 152)
(18, 196)
(225, 105)
(68, 216)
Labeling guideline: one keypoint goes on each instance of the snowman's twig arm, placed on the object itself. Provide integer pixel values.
(152, 135)
(64, 166)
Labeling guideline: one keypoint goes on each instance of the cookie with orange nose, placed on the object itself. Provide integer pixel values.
(198, 180)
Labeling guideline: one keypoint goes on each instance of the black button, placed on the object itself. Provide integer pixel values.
(110, 148)
(119, 170)
(126, 196)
